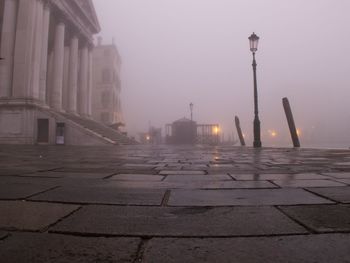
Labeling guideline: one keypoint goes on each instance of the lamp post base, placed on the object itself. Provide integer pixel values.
(257, 144)
(257, 141)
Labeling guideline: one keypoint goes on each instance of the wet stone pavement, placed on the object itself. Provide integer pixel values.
(174, 204)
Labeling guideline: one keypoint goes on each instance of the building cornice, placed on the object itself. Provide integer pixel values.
(77, 16)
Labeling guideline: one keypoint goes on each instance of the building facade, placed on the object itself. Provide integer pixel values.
(106, 101)
(46, 78)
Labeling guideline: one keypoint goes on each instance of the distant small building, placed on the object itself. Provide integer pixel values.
(182, 131)
(106, 102)
(185, 131)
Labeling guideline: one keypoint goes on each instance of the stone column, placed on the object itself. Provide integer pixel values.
(49, 80)
(37, 50)
(56, 89)
(44, 54)
(24, 46)
(73, 75)
(90, 84)
(83, 82)
(7, 47)
(65, 79)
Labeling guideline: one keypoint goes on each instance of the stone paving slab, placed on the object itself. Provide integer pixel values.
(119, 170)
(192, 184)
(181, 172)
(52, 182)
(307, 183)
(345, 181)
(194, 167)
(291, 249)
(3, 235)
(339, 175)
(306, 168)
(287, 196)
(184, 221)
(103, 195)
(19, 215)
(53, 174)
(15, 171)
(85, 169)
(235, 185)
(44, 248)
(343, 164)
(18, 169)
(310, 176)
(13, 190)
(322, 218)
(139, 166)
(340, 194)
(233, 171)
(224, 165)
(168, 167)
(137, 177)
(42, 175)
(196, 178)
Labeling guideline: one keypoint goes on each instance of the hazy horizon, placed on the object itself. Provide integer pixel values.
(177, 52)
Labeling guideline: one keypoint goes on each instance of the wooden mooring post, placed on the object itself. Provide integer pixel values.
(291, 124)
(239, 131)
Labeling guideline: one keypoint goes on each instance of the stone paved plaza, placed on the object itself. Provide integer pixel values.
(174, 204)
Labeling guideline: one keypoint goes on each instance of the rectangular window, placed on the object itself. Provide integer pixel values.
(60, 127)
(43, 131)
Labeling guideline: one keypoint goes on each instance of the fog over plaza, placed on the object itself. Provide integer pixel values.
(179, 51)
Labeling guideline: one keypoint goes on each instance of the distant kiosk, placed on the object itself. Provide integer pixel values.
(185, 131)
(182, 131)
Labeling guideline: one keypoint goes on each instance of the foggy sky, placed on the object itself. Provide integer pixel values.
(179, 51)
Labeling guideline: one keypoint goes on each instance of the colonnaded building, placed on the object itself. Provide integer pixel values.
(46, 79)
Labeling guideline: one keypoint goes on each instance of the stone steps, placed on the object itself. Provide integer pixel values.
(101, 129)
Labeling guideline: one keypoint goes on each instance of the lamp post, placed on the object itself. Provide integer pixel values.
(253, 41)
(191, 109)
(193, 128)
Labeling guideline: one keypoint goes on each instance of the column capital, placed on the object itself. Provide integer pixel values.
(60, 22)
(76, 32)
(74, 37)
(47, 4)
(85, 44)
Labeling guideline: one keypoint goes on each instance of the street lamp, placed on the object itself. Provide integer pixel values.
(253, 41)
(191, 108)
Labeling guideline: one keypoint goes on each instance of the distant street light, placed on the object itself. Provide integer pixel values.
(253, 41)
(191, 109)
